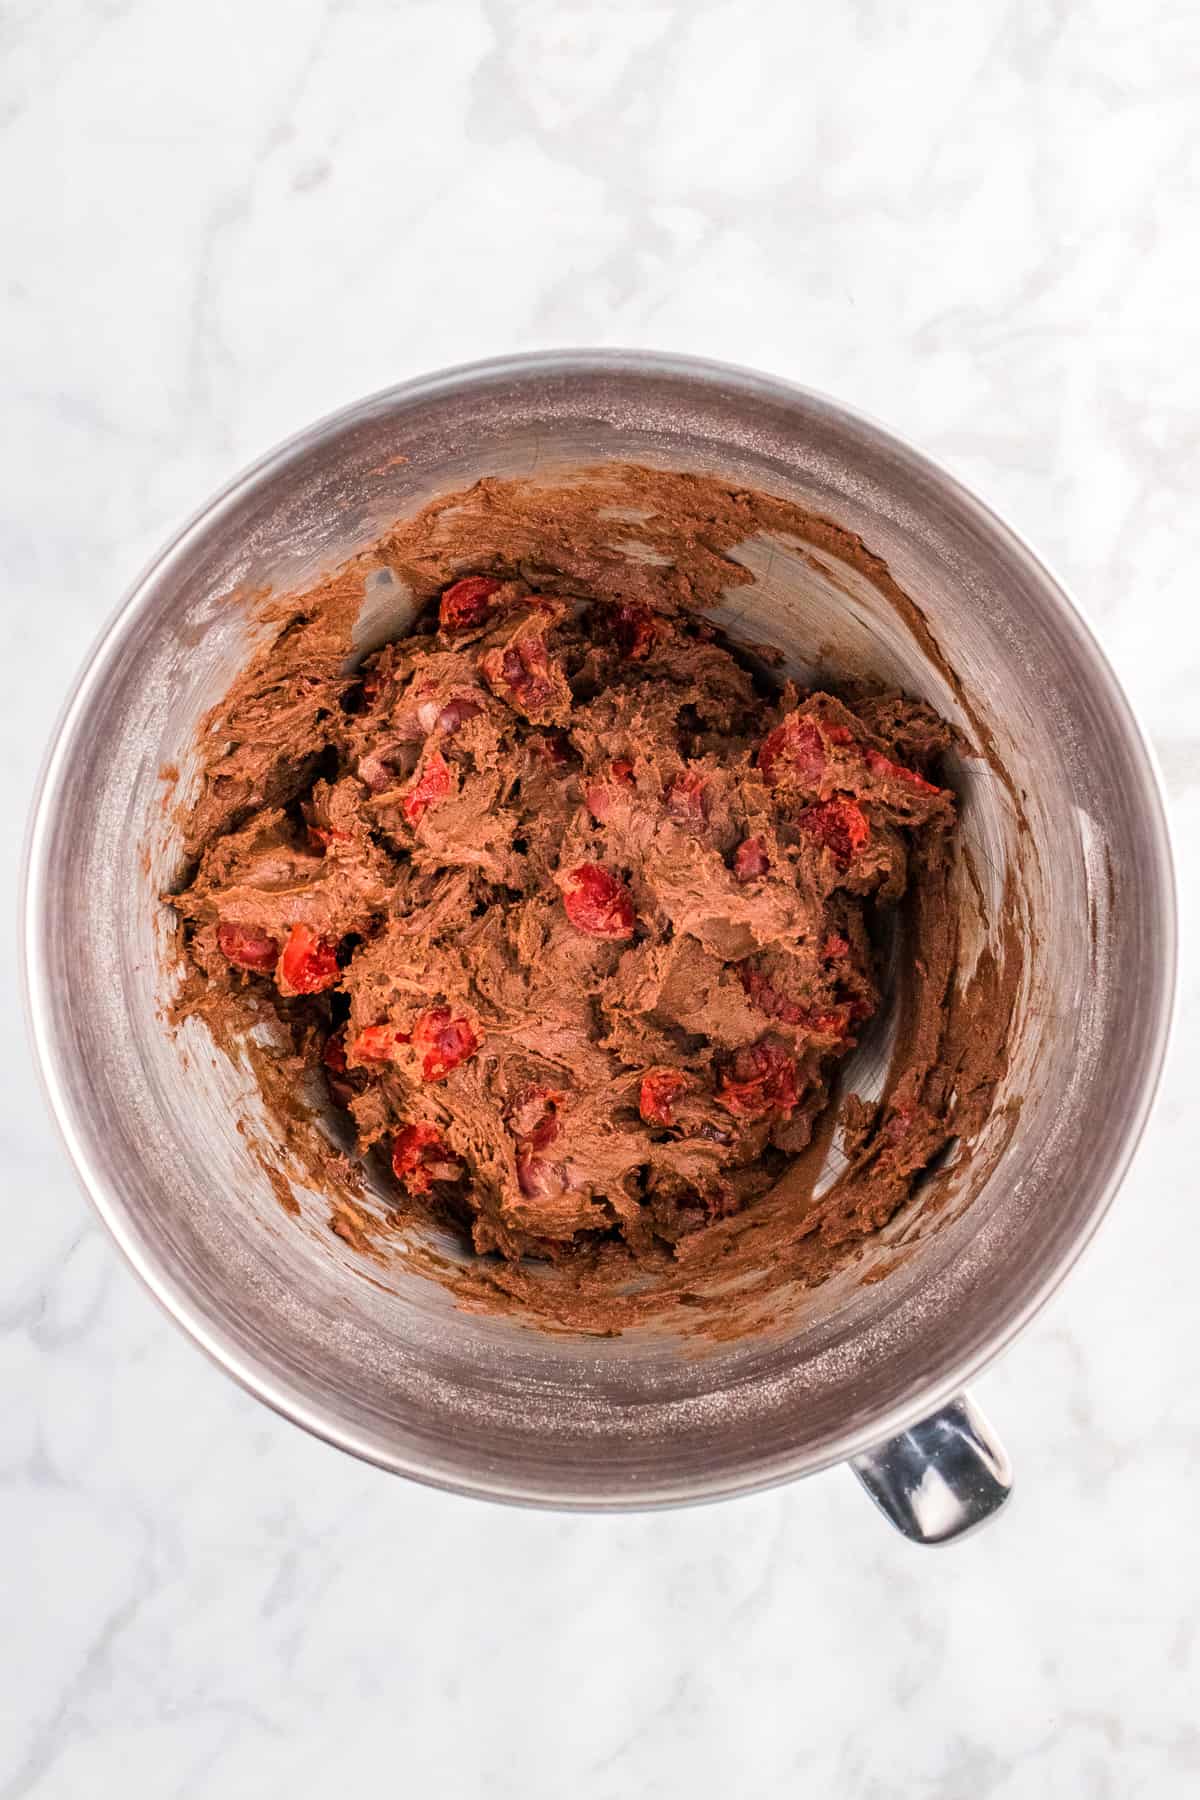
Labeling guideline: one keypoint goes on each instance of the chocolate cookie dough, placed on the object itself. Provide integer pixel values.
(573, 907)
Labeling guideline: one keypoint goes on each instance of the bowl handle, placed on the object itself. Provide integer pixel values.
(942, 1477)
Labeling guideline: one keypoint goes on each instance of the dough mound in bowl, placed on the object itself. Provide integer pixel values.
(577, 909)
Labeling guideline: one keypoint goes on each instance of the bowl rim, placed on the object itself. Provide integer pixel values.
(287, 1398)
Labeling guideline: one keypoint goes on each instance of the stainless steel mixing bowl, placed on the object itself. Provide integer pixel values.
(387, 1367)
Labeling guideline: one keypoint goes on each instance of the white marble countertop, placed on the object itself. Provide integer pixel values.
(975, 222)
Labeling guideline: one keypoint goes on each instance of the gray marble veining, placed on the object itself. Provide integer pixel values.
(976, 223)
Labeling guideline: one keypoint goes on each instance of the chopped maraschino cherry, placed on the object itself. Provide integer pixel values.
(432, 785)
(750, 859)
(760, 1079)
(894, 771)
(636, 630)
(467, 603)
(839, 824)
(309, 963)
(457, 710)
(420, 1156)
(687, 801)
(520, 674)
(533, 1117)
(767, 997)
(597, 903)
(443, 1042)
(657, 1096)
(796, 750)
(440, 1040)
(377, 1043)
(598, 793)
(247, 948)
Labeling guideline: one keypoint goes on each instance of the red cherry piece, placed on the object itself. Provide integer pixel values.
(535, 1122)
(309, 963)
(376, 770)
(321, 836)
(657, 1096)
(686, 800)
(467, 603)
(750, 859)
(534, 1117)
(794, 752)
(377, 1043)
(431, 785)
(636, 629)
(247, 948)
(420, 1156)
(456, 712)
(888, 770)
(538, 1178)
(834, 1023)
(442, 1042)
(767, 997)
(520, 674)
(838, 824)
(598, 795)
(333, 1055)
(597, 903)
(761, 1079)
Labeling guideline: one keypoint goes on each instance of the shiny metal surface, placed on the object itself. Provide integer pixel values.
(942, 1477)
(386, 1367)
